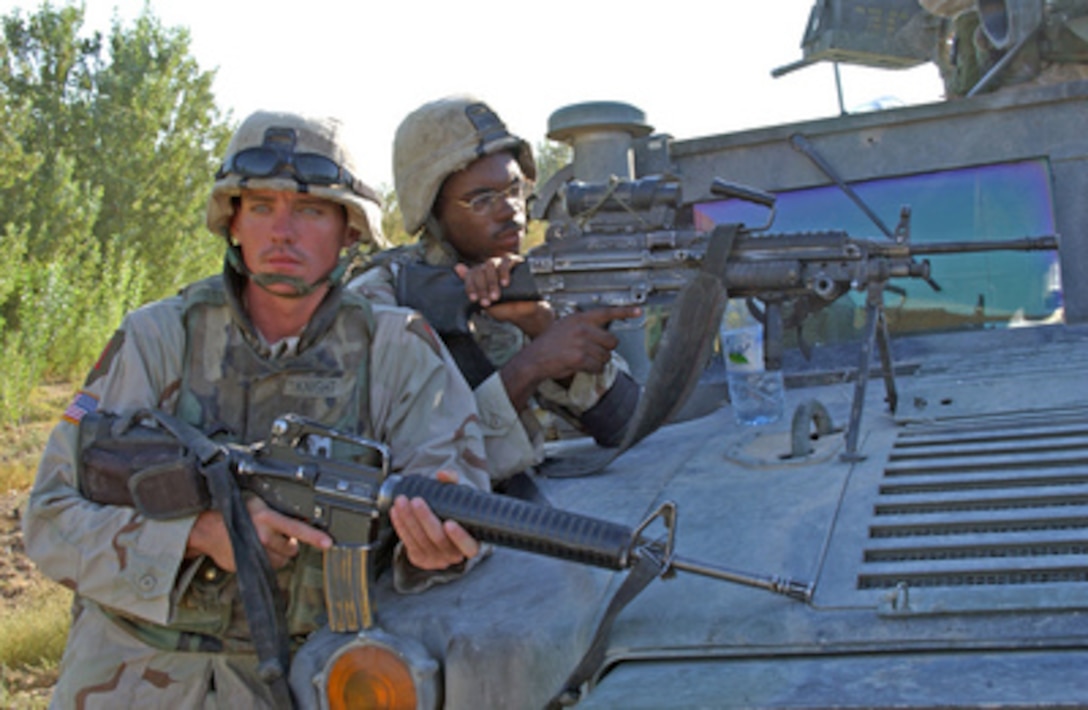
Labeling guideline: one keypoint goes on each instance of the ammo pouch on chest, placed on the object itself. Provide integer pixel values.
(123, 461)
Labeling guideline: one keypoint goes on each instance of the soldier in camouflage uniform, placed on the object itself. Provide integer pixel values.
(158, 621)
(462, 181)
(1055, 51)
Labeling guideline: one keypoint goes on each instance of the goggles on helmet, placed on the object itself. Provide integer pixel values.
(263, 161)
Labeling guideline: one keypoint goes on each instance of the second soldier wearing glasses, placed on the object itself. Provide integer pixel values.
(462, 181)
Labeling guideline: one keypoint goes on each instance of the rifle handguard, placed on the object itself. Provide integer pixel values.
(510, 522)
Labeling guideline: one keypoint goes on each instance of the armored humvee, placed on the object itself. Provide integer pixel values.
(933, 556)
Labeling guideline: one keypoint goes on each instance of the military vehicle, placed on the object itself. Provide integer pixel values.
(855, 556)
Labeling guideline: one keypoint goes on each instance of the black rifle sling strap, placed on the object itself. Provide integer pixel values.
(645, 570)
(691, 328)
(469, 356)
(263, 605)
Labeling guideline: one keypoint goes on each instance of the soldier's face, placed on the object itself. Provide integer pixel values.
(290, 234)
(494, 224)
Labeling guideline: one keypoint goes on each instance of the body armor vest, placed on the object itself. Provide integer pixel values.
(232, 387)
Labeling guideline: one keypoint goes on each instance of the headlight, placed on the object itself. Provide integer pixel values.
(371, 677)
(370, 670)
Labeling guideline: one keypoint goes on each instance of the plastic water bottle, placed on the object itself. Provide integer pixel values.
(757, 395)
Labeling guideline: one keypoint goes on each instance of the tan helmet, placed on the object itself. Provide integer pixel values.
(282, 151)
(441, 138)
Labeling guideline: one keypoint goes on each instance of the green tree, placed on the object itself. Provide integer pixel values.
(392, 222)
(551, 156)
(154, 140)
(44, 81)
(138, 123)
(107, 148)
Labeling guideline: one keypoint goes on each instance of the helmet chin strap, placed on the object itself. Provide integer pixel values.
(299, 288)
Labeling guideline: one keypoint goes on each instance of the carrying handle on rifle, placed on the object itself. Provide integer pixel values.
(734, 190)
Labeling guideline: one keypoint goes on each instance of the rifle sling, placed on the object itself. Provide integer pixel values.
(469, 356)
(646, 569)
(264, 607)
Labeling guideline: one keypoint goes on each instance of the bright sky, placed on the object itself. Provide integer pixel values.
(694, 67)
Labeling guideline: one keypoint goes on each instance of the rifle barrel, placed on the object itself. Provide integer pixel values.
(779, 585)
(562, 534)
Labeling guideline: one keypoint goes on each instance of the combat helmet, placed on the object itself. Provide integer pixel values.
(286, 151)
(441, 138)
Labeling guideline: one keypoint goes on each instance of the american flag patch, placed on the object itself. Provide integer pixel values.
(83, 403)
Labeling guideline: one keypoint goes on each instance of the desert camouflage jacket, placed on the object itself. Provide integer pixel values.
(120, 564)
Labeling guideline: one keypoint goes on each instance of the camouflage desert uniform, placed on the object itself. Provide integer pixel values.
(132, 570)
(514, 442)
(1057, 54)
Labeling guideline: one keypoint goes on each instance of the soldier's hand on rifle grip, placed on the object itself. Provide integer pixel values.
(484, 281)
(484, 285)
(576, 343)
(279, 534)
(430, 543)
(581, 342)
(531, 317)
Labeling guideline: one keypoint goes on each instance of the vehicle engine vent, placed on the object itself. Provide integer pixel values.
(1000, 500)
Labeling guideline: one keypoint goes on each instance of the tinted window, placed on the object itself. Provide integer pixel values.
(989, 202)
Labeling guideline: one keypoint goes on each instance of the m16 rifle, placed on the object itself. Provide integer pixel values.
(633, 242)
(341, 483)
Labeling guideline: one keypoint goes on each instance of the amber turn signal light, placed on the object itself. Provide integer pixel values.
(370, 678)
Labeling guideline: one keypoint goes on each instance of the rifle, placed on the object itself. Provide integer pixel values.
(341, 483)
(632, 242)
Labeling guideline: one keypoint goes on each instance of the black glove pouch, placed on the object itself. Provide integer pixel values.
(125, 462)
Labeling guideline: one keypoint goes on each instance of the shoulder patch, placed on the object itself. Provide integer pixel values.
(418, 324)
(105, 360)
(82, 404)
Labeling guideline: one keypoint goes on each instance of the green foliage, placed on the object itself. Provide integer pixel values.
(157, 142)
(392, 222)
(551, 157)
(35, 634)
(107, 150)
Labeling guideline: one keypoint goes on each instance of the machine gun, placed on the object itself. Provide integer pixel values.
(632, 242)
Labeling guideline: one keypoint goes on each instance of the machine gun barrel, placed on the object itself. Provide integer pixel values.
(1044, 243)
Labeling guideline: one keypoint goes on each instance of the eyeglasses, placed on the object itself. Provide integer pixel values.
(489, 201)
(310, 168)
